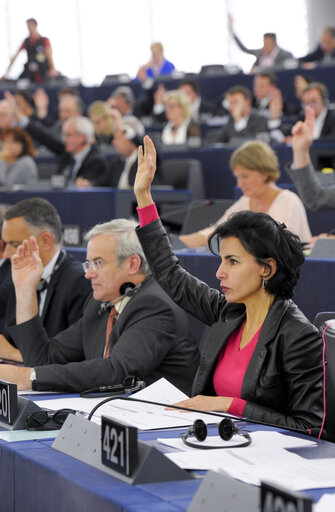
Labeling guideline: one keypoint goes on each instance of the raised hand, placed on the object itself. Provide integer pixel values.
(27, 268)
(303, 132)
(145, 172)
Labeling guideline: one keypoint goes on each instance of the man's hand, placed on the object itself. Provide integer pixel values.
(145, 173)
(276, 104)
(302, 138)
(83, 183)
(27, 268)
(17, 112)
(41, 100)
(7, 351)
(17, 375)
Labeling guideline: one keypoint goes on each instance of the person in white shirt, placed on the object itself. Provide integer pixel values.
(255, 166)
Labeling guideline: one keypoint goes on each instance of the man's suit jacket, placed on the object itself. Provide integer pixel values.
(279, 60)
(314, 196)
(93, 166)
(66, 295)
(150, 339)
(256, 124)
(317, 55)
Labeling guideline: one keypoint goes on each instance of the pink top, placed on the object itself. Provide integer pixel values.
(233, 362)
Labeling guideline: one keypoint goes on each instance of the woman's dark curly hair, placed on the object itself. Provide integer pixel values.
(263, 237)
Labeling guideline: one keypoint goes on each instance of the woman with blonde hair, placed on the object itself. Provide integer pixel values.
(255, 167)
(103, 124)
(180, 129)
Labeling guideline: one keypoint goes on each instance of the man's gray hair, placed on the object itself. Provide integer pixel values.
(83, 126)
(128, 241)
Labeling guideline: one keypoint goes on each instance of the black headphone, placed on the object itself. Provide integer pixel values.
(126, 290)
(226, 429)
(129, 385)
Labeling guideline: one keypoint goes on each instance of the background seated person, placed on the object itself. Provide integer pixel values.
(324, 52)
(103, 124)
(261, 358)
(314, 195)
(255, 167)
(62, 290)
(145, 334)
(202, 109)
(180, 129)
(316, 96)
(121, 170)
(158, 65)
(269, 56)
(7, 117)
(17, 166)
(243, 123)
(79, 159)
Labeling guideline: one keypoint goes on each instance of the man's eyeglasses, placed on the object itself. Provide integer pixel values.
(47, 420)
(95, 265)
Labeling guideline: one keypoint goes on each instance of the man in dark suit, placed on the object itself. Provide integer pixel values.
(150, 338)
(325, 52)
(269, 56)
(121, 172)
(243, 123)
(79, 160)
(315, 95)
(63, 288)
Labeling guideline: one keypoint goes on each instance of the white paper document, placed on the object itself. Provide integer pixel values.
(325, 504)
(137, 414)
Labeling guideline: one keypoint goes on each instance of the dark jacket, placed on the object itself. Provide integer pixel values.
(317, 55)
(150, 339)
(283, 383)
(66, 295)
(256, 124)
(92, 168)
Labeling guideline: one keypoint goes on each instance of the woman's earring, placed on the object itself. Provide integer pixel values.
(264, 283)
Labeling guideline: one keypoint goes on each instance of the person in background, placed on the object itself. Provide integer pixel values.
(202, 109)
(316, 96)
(7, 117)
(269, 56)
(243, 123)
(40, 64)
(325, 51)
(17, 166)
(256, 169)
(79, 159)
(314, 195)
(141, 332)
(261, 358)
(180, 128)
(103, 125)
(122, 169)
(158, 65)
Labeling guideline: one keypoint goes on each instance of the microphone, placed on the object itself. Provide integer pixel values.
(126, 290)
(313, 432)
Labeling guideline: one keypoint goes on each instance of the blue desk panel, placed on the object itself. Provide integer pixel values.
(87, 207)
(35, 477)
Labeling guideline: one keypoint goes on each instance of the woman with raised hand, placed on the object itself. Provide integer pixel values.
(261, 357)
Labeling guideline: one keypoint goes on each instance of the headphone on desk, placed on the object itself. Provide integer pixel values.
(227, 429)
